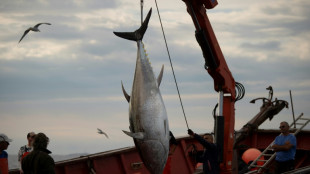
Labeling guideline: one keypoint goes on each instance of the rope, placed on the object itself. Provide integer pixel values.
(141, 5)
(176, 84)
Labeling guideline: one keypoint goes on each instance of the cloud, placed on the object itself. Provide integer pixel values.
(272, 45)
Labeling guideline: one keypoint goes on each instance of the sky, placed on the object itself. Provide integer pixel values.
(65, 81)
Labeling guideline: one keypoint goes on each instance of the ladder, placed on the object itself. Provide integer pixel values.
(268, 152)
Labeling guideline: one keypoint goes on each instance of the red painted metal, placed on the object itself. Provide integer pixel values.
(302, 160)
(221, 75)
(229, 124)
(262, 138)
(128, 161)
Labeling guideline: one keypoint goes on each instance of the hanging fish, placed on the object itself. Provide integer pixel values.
(147, 113)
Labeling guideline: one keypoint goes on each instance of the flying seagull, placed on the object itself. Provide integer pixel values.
(101, 132)
(35, 29)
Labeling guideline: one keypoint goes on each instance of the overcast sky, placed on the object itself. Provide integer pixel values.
(65, 81)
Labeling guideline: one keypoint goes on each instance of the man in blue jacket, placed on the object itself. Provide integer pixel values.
(209, 157)
(285, 148)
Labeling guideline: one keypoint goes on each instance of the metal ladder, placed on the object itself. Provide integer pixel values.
(272, 155)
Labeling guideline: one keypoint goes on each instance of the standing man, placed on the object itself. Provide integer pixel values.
(24, 150)
(38, 161)
(209, 157)
(4, 143)
(285, 148)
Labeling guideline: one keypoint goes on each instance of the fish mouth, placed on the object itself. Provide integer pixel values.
(156, 156)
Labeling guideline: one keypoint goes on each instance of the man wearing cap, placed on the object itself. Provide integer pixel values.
(4, 143)
(24, 150)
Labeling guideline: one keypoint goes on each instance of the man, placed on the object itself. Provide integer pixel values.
(4, 143)
(24, 150)
(285, 148)
(38, 161)
(209, 157)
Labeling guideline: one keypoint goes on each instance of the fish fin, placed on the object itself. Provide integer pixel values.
(125, 93)
(138, 34)
(160, 76)
(137, 135)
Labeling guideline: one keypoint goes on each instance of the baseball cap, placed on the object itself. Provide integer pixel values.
(3, 137)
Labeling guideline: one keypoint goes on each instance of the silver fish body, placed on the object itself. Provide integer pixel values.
(147, 113)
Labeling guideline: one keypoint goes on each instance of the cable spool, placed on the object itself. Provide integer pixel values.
(240, 91)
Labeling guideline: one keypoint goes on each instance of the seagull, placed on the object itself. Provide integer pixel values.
(35, 29)
(101, 132)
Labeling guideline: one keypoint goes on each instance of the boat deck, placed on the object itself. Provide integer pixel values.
(127, 160)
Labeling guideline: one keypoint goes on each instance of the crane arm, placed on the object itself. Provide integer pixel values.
(224, 82)
(215, 61)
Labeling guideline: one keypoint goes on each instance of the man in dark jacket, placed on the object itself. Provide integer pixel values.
(209, 157)
(38, 161)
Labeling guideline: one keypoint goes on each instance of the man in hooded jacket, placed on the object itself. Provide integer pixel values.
(38, 161)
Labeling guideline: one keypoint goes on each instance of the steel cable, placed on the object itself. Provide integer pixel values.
(176, 84)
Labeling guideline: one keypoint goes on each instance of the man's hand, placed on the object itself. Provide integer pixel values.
(190, 132)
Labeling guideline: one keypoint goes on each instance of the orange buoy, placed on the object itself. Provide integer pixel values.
(250, 155)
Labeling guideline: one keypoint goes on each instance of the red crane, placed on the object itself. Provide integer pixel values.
(224, 82)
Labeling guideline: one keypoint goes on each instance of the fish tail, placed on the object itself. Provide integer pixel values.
(139, 33)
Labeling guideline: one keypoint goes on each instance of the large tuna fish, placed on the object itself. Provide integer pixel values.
(147, 113)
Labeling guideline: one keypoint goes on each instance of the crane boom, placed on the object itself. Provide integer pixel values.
(224, 82)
